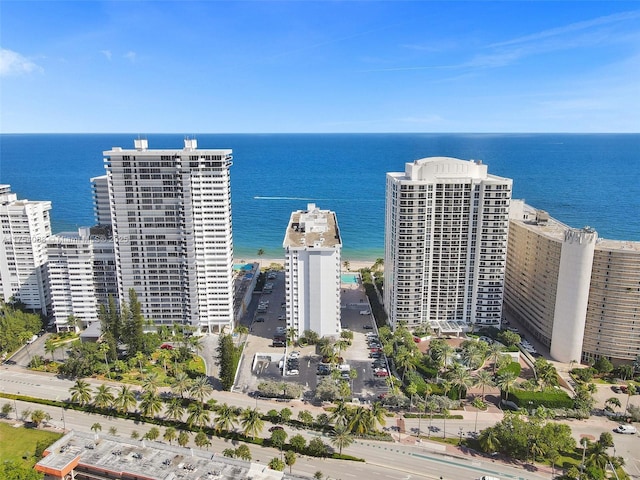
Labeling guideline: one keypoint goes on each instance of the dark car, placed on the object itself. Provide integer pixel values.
(615, 388)
(276, 427)
(260, 319)
(367, 327)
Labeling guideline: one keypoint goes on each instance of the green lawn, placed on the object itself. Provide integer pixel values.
(20, 442)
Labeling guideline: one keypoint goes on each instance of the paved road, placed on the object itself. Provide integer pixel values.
(385, 460)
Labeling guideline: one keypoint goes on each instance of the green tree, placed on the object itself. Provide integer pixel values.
(125, 400)
(151, 383)
(202, 440)
(181, 384)
(305, 417)
(243, 452)
(174, 409)
(80, 392)
(229, 452)
(318, 475)
(278, 438)
(12, 470)
(226, 417)
(276, 464)
(506, 382)
(7, 408)
(317, 448)
(461, 381)
(96, 427)
(38, 416)
(103, 397)
(170, 434)
(483, 379)
(200, 388)
(151, 404)
(341, 437)
(285, 415)
(290, 459)
(495, 352)
(298, 443)
(135, 435)
(198, 415)
(183, 438)
(252, 423)
(113, 431)
(132, 324)
(152, 434)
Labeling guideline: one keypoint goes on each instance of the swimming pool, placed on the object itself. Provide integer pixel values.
(349, 278)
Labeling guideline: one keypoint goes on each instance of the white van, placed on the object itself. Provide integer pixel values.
(365, 312)
(487, 477)
(630, 429)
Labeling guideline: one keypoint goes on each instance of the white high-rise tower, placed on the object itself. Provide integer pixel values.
(312, 246)
(171, 218)
(25, 226)
(446, 229)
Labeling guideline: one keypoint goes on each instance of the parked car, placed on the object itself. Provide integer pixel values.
(365, 312)
(260, 319)
(381, 373)
(367, 327)
(166, 346)
(629, 429)
(276, 427)
(294, 354)
(615, 388)
(293, 372)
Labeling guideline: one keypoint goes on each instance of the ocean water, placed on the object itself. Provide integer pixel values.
(579, 179)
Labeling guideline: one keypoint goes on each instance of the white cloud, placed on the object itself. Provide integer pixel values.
(131, 56)
(12, 63)
(106, 53)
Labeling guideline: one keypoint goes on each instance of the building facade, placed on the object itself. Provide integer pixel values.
(172, 230)
(446, 226)
(576, 293)
(100, 194)
(24, 225)
(313, 248)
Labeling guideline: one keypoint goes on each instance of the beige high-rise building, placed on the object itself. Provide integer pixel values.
(577, 294)
(445, 244)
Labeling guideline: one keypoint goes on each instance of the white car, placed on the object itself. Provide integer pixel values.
(293, 372)
(294, 354)
(630, 429)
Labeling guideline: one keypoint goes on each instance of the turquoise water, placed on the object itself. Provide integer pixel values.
(579, 179)
(348, 278)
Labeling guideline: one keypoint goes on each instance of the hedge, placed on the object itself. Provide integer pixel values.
(514, 367)
(548, 399)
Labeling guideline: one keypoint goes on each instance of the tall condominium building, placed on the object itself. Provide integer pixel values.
(101, 206)
(576, 293)
(446, 227)
(81, 273)
(171, 219)
(312, 271)
(25, 226)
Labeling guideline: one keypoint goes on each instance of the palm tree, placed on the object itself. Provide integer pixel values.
(125, 400)
(631, 390)
(290, 458)
(614, 401)
(477, 404)
(50, 347)
(202, 440)
(404, 361)
(104, 348)
(151, 383)
(183, 438)
(140, 358)
(461, 379)
(378, 264)
(225, 418)
(431, 407)
(103, 398)
(379, 413)
(251, 421)
(150, 404)
(81, 392)
(340, 413)
(200, 388)
(341, 437)
(347, 265)
(360, 420)
(489, 440)
(96, 427)
(483, 379)
(495, 352)
(174, 409)
(181, 384)
(506, 382)
(197, 415)
(170, 434)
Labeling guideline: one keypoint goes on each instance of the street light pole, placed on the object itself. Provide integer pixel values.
(64, 423)
(584, 449)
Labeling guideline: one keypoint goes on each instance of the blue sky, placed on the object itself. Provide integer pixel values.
(331, 66)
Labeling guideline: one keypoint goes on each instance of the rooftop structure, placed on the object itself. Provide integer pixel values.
(100, 457)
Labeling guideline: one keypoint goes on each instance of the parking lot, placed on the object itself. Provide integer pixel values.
(262, 361)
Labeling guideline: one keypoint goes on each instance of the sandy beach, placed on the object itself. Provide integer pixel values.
(354, 265)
